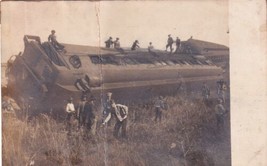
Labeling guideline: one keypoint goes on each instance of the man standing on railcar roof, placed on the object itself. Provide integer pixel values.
(178, 43)
(109, 42)
(169, 43)
(117, 43)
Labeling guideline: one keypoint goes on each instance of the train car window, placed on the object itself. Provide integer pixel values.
(129, 61)
(204, 62)
(143, 61)
(187, 63)
(105, 60)
(193, 62)
(135, 61)
(175, 61)
(156, 63)
(169, 62)
(75, 61)
(182, 62)
(95, 59)
(199, 62)
(113, 60)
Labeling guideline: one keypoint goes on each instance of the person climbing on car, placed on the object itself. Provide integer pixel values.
(135, 45)
(53, 39)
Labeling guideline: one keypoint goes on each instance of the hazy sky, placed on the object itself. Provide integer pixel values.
(77, 22)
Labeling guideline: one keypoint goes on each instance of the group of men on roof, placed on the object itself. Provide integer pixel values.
(109, 43)
(116, 44)
(113, 44)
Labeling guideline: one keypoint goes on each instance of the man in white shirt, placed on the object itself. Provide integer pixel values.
(150, 47)
(121, 112)
(70, 109)
(117, 43)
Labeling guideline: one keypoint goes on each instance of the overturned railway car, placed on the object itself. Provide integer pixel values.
(45, 78)
(217, 53)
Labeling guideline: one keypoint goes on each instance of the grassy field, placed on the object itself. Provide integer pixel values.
(186, 136)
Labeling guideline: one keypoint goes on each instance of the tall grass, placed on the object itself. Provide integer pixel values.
(178, 140)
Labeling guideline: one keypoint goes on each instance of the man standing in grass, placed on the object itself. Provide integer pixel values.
(90, 115)
(107, 105)
(205, 92)
(80, 111)
(159, 106)
(70, 110)
(121, 112)
(220, 113)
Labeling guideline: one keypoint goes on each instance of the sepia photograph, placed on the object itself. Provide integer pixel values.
(116, 83)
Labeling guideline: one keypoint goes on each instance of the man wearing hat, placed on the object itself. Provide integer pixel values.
(109, 42)
(169, 43)
(178, 43)
(220, 112)
(89, 115)
(221, 88)
(159, 106)
(80, 111)
(107, 105)
(135, 45)
(53, 39)
(121, 114)
(117, 43)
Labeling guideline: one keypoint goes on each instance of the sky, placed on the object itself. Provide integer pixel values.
(91, 23)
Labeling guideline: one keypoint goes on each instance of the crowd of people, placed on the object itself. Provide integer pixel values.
(86, 115)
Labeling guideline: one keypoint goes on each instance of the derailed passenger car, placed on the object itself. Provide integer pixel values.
(44, 77)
